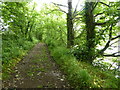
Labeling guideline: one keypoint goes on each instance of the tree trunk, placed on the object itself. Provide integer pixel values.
(90, 31)
(70, 32)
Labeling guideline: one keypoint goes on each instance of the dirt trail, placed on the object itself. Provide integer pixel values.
(37, 70)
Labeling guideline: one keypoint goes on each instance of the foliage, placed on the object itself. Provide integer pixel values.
(26, 26)
(76, 72)
(16, 39)
(12, 51)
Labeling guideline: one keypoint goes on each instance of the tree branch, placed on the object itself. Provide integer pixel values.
(94, 6)
(107, 44)
(112, 55)
(116, 52)
(115, 42)
(115, 37)
(57, 10)
(60, 8)
(76, 7)
(104, 4)
(98, 14)
(60, 5)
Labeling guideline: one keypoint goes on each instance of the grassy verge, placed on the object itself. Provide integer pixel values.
(13, 51)
(81, 74)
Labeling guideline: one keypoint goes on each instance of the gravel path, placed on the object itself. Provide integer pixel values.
(37, 70)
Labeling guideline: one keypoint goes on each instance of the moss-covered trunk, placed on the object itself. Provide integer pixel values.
(70, 32)
(90, 31)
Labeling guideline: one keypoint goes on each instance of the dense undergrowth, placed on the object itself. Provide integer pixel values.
(81, 74)
(13, 50)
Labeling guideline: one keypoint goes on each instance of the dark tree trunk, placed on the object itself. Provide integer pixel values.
(70, 32)
(90, 31)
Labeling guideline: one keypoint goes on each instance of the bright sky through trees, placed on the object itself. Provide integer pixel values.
(63, 2)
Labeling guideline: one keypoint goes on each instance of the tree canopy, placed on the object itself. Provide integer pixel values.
(75, 36)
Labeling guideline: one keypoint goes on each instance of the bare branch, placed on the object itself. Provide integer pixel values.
(60, 5)
(98, 14)
(115, 42)
(110, 55)
(107, 44)
(94, 6)
(105, 4)
(76, 7)
(76, 14)
(115, 37)
(57, 10)
(116, 52)
(60, 8)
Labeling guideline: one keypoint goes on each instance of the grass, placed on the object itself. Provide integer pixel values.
(81, 74)
(13, 51)
(77, 76)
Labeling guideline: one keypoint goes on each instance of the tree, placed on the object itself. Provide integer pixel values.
(70, 32)
(93, 35)
(16, 12)
(90, 30)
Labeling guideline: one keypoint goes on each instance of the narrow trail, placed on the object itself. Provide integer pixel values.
(37, 70)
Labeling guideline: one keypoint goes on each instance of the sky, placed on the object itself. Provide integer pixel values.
(63, 2)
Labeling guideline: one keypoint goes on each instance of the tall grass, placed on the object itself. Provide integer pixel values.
(13, 49)
(81, 74)
(77, 76)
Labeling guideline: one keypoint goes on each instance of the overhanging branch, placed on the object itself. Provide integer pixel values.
(115, 42)
(57, 10)
(60, 5)
(94, 6)
(115, 37)
(111, 55)
(76, 7)
(98, 14)
(60, 8)
(105, 4)
(108, 43)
